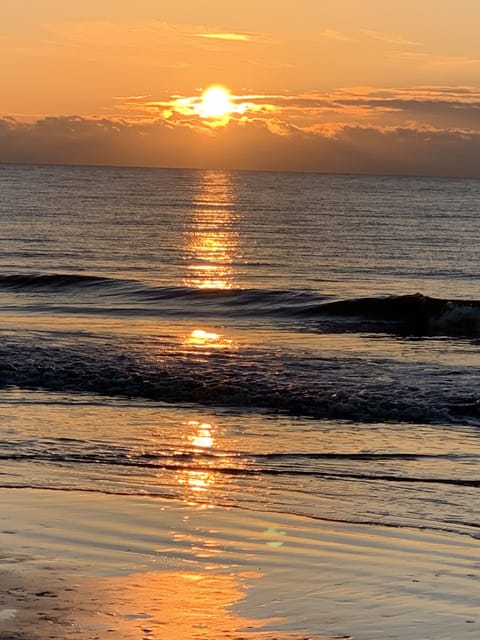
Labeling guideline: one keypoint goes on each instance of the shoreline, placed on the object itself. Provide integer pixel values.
(81, 566)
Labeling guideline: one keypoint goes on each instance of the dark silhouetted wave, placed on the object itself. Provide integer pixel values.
(35, 281)
(413, 314)
(416, 314)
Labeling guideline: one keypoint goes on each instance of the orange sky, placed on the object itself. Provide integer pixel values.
(336, 85)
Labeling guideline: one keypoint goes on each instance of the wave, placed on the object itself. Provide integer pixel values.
(411, 314)
(251, 380)
(35, 281)
(415, 314)
(238, 464)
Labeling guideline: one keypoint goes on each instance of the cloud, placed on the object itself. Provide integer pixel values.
(437, 107)
(148, 36)
(255, 143)
(338, 36)
(152, 43)
(441, 107)
(236, 37)
(435, 62)
(389, 38)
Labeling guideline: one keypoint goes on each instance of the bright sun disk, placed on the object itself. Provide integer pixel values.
(215, 103)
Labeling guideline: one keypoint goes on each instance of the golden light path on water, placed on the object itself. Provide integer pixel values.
(200, 481)
(211, 248)
(211, 237)
(198, 436)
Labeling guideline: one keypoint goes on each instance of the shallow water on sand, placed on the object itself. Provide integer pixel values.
(217, 572)
(396, 474)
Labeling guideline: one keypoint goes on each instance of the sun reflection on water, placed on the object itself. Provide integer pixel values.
(201, 480)
(202, 339)
(211, 237)
(198, 437)
(203, 437)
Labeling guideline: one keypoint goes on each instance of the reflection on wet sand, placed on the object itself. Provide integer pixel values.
(211, 237)
(183, 606)
(147, 606)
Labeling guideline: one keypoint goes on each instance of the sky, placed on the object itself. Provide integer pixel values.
(367, 86)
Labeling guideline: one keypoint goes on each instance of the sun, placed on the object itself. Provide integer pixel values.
(215, 103)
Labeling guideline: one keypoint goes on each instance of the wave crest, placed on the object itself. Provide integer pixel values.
(411, 314)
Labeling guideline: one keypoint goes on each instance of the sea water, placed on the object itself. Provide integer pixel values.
(288, 344)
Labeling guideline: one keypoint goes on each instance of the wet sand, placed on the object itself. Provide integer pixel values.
(46, 604)
(95, 567)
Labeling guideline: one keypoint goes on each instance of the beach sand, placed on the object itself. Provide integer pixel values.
(90, 566)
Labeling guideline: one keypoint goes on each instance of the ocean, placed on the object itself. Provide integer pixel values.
(287, 345)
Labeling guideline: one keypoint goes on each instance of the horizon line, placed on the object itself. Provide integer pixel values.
(359, 174)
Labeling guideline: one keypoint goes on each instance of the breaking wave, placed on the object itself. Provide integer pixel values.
(249, 379)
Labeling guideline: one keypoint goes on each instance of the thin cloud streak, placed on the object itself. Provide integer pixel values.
(236, 37)
(433, 61)
(337, 36)
(390, 38)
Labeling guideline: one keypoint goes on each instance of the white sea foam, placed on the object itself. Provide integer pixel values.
(7, 614)
(461, 319)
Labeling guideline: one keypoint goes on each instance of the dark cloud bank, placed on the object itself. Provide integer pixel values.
(255, 144)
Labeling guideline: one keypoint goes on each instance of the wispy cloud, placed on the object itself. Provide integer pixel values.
(436, 62)
(235, 37)
(390, 38)
(338, 36)
(152, 39)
